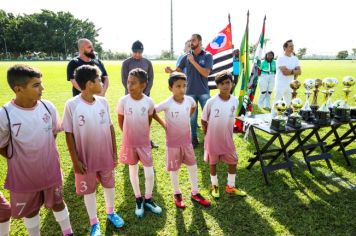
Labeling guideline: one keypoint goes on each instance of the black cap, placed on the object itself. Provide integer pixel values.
(137, 46)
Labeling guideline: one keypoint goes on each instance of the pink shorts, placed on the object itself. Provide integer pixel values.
(5, 208)
(86, 184)
(131, 156)
(230, 158)
(176, 156)
(24, 204)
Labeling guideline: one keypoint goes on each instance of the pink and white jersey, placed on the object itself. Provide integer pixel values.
(34, 165)
(136, 129)
(90, 124)
(177, 116)
(220, 116)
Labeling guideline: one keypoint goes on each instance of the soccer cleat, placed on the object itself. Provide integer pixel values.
(150, 205)
(95, 230)
(235, 191)
(215, 191)
(179, 201)
(116, 220)
(154, 145)
(200, 199)
(139, 207)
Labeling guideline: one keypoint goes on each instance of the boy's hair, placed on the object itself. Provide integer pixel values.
(223, 75)
(140, 74)
(175, 76)
(20, 75)
(86, 73)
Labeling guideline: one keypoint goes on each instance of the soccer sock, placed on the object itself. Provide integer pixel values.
(193, 178)
(231, 180)
(149, 181)
(214, 180)
(175, 181)
(62, 217)
(90, 204)
(109, 195)
(33, 225)
(133, 170)
(5, 228)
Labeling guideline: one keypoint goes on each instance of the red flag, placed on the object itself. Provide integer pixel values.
(222, 42)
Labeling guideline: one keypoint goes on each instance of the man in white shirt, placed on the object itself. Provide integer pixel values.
(288, 68)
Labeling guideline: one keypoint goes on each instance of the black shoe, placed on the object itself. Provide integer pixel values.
(153, 145)
(195, 142)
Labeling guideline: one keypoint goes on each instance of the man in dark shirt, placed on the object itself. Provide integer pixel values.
(86, 57)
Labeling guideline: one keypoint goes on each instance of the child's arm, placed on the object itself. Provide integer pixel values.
(77, 165)
(192, 110)
(159, 120)
(114, 146)
(121, 121)
(204, 125)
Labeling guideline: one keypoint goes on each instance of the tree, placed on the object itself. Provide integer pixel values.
(165, 54)
(252, 49)
(354, 51)
(301, 53)
(342, 55)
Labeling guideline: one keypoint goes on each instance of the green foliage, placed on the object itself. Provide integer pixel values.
(301, 53)
(342, 55)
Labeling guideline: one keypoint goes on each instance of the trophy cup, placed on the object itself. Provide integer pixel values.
(279, 122)
(329, 102)
(323, 113)
(314, 106)
(295, 120)
(306, 112)
(294, 85)
(341, 108)
(353, 109)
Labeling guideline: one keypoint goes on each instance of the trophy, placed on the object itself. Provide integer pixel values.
(314, 106)
(341, 108)
(295, 120)
(329, 102)
(294, 85)
(279, 122)
(306, 112)
(323, 113)
(353, 109)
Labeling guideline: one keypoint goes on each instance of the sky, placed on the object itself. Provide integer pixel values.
(323, 27)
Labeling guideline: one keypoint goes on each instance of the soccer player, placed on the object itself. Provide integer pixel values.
(28, 127)
(91, 143)
(178, 109)
(135, 111)
(218, 121)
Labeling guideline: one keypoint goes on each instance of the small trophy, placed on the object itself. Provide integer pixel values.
(306, 112)
(295, 120)
(279, 122)
(353, 109)
(314, 106)
(341, 108)
(329, 102)
(294, 85)
(323, 113)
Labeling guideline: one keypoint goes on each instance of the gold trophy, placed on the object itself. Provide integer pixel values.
(294, 85)
(353, 109)
(329, 103)
(323, 113)
(294, 119)
(306, 111)
(314, 106)
(341, 108)
(279, 122)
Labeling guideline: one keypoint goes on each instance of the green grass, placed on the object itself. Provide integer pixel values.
(309, 204)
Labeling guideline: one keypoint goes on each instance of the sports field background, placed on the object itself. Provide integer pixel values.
(320, 204)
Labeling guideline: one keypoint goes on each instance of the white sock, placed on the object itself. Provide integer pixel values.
(109, 195)
(231, 180)
(62, 217)
(175, 181)
(33, 225)
(149, 181)
(193, 178)
(135, 182)
(214, 180)
(5, 228)
(90, 204)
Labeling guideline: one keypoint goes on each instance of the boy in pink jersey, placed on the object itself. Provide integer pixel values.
(135, 111)
(178, 109)
(28, 127)
(5, 214)
(218, 121)
(91, 143)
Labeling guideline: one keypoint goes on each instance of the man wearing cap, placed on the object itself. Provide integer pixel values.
(86, 57)
(137, 61)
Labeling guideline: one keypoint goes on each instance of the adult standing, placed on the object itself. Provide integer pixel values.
(198, 65)
(86, 57)
(288, 67)
(138, 61)
(235, 68)
(186, 51)
(268, 72)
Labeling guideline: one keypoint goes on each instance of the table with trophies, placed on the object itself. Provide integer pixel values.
(302, 125)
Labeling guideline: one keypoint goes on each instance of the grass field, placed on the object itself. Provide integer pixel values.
(320, 204)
